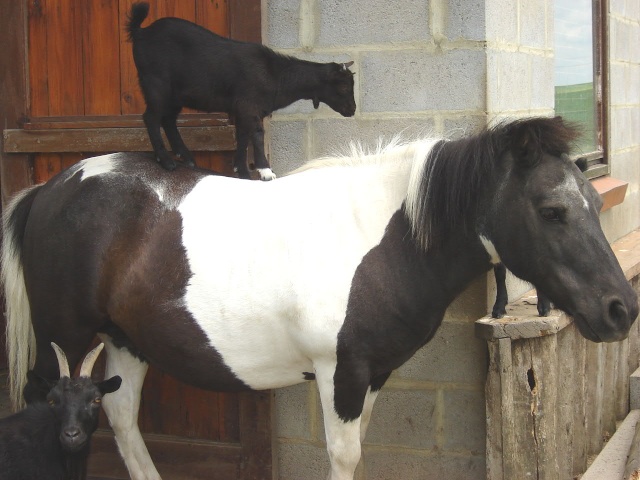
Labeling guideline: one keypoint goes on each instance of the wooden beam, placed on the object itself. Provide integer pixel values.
(198, 139)
(121, 121)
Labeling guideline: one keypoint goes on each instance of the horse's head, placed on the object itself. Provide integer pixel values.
(543, 223)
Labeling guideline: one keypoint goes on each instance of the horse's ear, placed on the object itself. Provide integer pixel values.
(582, 164)
(525, 147)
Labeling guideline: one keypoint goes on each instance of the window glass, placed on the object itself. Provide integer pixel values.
(574, 69)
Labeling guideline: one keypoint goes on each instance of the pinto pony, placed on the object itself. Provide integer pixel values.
(344, 280)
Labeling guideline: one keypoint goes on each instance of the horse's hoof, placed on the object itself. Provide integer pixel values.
(266, 174)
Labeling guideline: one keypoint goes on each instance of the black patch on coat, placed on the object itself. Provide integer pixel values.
(397, 300)
(309, 375)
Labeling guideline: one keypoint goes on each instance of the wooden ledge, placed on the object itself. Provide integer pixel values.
(522, 320)
(611, 190)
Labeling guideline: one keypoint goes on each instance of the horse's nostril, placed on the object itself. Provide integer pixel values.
(618, 312)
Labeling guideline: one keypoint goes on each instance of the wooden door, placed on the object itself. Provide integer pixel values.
(69, 91)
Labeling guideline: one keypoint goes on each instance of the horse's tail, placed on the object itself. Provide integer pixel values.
(21, 342)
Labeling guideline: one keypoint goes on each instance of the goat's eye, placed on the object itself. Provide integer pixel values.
(550, 214)
(97, 400)
(52, 402)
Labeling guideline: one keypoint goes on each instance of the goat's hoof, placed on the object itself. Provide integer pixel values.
(266, 174)
(498, 313)
(169, 165)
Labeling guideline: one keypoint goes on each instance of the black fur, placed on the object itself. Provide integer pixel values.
(181, 64)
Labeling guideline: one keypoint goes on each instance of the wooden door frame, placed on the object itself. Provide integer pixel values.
(17, 172)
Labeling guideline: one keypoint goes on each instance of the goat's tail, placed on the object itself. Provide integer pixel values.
(138, 13)
(21, 341)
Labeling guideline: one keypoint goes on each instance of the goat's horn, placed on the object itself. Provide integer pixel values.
(90, 360)
(347, 65)
(63, 364)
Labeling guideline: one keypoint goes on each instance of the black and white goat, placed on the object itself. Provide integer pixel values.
(50, 440)
(181, 64)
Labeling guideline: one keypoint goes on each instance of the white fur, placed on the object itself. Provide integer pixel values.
(569, 189)
(122, 407)
(91, 167)
(266, 174)
(277, 301)
(491, 250)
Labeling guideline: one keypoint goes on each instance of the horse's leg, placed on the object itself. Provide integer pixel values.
(122, 407)
(502, 298)
(343, 435)
(544, 304)
(369, 400)
(175, 139)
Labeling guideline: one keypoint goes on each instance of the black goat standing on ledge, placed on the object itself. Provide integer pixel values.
(50, 441)
(181, 64)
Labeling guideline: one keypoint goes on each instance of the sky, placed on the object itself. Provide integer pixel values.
(573, 42)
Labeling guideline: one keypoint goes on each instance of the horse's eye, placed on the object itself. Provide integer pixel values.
(550, 214)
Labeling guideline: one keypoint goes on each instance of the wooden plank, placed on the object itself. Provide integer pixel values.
(522, 461)
(213, 15)
(580, 443)
(112, 140)
(15, 170)
(245, 21)
(101, 57)
(64, 58)
(38, 84)
(205, 460)
(256, 435)
(131, 100)
(567, 384)
(120, 121)
(544, 368)
(498, 375)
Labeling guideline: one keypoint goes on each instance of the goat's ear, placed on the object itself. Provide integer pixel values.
(109, 386)
(40, 384)
(316, 102)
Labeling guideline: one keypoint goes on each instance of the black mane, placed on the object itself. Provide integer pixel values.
(457, 171)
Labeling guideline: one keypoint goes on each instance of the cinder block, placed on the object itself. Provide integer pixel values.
(372, 22)
(287, 145)
(465, 421)
(542, 88)
(532, 23)
(417, 80)
(465, 20)
(283, 23)
(453, 355)
(508, 81)
(502, 21)
(463, 125)
(302, 461)
(381, 465)
(293, 417)
(331, 137)
(403, 418)
(634, 390)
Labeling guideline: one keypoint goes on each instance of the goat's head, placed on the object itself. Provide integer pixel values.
(337, 89)
(75, 402)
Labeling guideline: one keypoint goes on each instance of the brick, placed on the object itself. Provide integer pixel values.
(382, 465)
(283, 23)
(502, 21)
(415, 80)
(332, 137)
(454, 355)
(403, 417)
(465, 20)
(373, 22)
(464, 421)
(532, 23)
(287, 145)
(292, 411)
(302, 461)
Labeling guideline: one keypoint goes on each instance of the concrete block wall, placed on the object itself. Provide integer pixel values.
(423, 67)
(624, 114)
